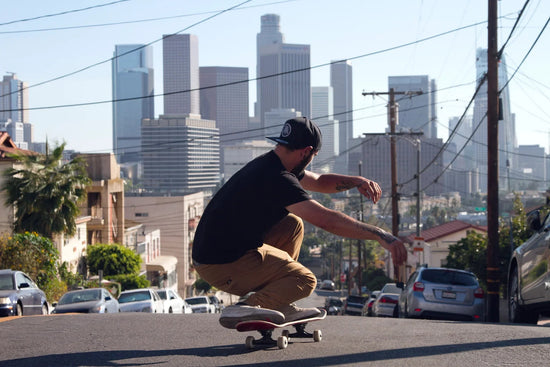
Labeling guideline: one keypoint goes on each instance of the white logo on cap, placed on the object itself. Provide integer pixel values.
(287, 129)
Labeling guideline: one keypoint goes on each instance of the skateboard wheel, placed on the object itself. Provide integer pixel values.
(317, 335)
(249, 342)
(282, 342)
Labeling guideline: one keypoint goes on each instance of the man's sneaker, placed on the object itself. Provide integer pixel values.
(293, 312)
(232, 315)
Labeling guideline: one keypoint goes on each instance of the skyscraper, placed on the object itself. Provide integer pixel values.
(322, 112)
(227, 105)
(278, 86)
(14, 99)
(180, 56)
(133, 91)
(507, 143)
(417, 113)
(342, 86)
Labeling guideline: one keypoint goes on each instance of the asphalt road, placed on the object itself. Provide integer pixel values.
(130, 339)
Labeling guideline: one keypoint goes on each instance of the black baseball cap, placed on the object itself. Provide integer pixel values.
(299, 132)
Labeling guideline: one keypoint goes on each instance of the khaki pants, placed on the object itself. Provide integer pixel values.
(271, 271)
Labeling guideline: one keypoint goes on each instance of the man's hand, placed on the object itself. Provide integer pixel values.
(370, 189)
(396, 247)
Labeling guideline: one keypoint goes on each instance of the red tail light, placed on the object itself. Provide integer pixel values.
(478, 293)
(387, 300)
(418, 287)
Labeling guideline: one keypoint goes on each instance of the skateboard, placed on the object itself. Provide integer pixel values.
(266, 330)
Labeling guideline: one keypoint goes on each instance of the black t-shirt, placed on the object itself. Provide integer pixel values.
(244, 209)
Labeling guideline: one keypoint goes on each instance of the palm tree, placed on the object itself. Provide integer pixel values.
(45, 192)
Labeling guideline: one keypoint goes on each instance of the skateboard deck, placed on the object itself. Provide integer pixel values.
(266, 329)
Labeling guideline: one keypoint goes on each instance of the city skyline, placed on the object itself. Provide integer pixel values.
(334, 31)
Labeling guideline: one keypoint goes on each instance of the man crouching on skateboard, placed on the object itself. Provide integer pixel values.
(249, 237)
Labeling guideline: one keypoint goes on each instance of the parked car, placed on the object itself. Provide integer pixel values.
(218, 304)
(140, 300)
(442, 293)
(334, 306)
(328, 284)
(172, 302)
(19, 295)
(529, 274)
(91, 300)
(386, 301)
(201, 304)
(367, 308)
(353, 305)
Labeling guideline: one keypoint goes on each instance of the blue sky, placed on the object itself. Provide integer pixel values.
(438, 38)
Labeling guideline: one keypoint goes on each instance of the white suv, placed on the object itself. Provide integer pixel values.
(201, 304)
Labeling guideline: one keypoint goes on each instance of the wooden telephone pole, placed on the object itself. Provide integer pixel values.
(392, 120)
(493, 270)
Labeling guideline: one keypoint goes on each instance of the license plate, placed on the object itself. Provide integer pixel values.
(451, 295)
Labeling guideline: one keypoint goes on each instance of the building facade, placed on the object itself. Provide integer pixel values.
(322, 112)
(176, 218)
(14, 100)
(283, 71)
(225, 100)
(180, 60)
(341, 81)
(133, 91)
(417, 112)
(181, 154)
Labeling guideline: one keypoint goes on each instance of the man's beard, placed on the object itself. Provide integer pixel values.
(300, 168)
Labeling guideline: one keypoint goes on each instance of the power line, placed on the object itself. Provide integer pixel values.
(113, 58)
(136, 21)
(63, 13)
(225, 84)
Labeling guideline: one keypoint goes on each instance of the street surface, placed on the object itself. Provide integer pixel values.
(130, 339)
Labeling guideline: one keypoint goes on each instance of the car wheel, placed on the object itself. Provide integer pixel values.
(19, 310)
(45, 309)
(516, 313)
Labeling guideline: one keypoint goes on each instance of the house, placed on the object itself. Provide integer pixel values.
(432, 247)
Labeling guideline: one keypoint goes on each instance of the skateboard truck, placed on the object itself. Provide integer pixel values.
(265, 328)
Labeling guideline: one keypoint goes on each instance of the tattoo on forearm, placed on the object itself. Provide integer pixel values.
(345, 185)
(386, 237)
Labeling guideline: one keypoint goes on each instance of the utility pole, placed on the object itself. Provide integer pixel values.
(359, 242)
(392, 120)
(493, 271)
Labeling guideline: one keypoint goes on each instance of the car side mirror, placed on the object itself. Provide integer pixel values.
(107, 298)
(24, 285)
(54, 304)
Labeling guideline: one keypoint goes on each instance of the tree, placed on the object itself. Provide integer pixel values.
(113, 259)
(45, 192)
(471, 252)
(37, 257)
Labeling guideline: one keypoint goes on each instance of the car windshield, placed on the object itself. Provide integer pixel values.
(6, 282)
(443, 276)
(162, 294)
(335, 302)
(196, 301)
(134, 297)
(80, 296)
